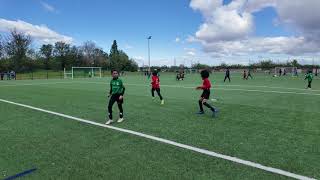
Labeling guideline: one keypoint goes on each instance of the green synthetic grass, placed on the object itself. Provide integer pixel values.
(277, 126)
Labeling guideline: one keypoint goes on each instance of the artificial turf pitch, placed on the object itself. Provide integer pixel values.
(271, 121)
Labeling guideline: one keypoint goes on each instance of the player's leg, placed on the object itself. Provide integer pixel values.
(229, 78)
(225, 77)
(159, 94)
(152, 93)
(309, 84)
(205, 102)
(111, 102)
(200, 106)
(206, 96)
(120, 102)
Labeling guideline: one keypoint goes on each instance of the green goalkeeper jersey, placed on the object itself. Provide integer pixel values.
(309, 76)
(116, 87)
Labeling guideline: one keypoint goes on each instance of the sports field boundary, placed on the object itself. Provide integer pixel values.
(216, 87)
(169, 142)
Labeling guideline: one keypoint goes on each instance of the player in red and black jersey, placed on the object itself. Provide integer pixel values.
(206, 85)
(155, 83)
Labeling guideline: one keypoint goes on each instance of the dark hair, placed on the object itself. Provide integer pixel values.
(114, 70)
(204, 74)
(310, 71)
(154, 73)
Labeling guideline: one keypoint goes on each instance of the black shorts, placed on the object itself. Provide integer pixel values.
(155, 89)
(205, 94)
(115, 98)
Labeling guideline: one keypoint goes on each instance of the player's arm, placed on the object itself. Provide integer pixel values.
(201, 87)
(110, 91)
(123, 90)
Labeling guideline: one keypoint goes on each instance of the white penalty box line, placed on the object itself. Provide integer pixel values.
(173, 143)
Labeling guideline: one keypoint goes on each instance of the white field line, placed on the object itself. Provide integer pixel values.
(34, 84)
(270, 87)
(247, 90)
(171, 86)
(173, 143)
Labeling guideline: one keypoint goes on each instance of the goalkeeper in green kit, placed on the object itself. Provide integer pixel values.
(309, 76)
(116, 95)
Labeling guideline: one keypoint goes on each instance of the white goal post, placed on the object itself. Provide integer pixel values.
(282, 71)
(84, 72)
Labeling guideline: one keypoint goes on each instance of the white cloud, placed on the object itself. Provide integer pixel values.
(48, 7)
(224, 22)
(206, 7)
(301, 15)
(271, 45)
(257, 5)
(191, 53)
(139, 58)
(227, 30)
(128, 46)
(40, 33)
(177, 39)
(192, 39)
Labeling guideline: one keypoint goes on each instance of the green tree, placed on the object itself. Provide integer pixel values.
(17, 47)
(114, 56)
(200, 66)
(1, 47)
(114, 49)
(92, 55)
(72, 57)
(61, 49)
(47, 51)
(295, 63)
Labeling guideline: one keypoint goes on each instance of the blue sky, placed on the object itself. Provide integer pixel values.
(170, 22)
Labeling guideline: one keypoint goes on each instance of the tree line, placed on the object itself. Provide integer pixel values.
(263, 64)
(17, 53)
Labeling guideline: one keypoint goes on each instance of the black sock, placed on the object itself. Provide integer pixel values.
(121, 110)
(200, 105)
(209, 106)
(110, 112)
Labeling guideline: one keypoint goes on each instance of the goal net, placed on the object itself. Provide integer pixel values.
(83, 72)
(284, 71)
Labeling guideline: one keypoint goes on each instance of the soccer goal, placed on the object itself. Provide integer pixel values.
(83, 72)
(283, 71)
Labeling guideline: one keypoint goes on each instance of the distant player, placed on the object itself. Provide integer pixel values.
(249, 74)
(206, 85)
(155, 83)
(295, 72)
(227, 76)
(280, 72)
(309, 77)
(116, 95)
(244, 74)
